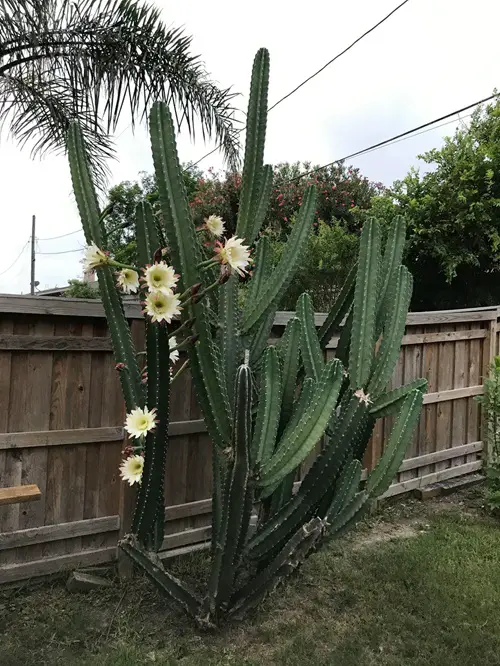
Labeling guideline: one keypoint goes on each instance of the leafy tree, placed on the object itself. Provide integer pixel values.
(341, 191)
(324, 266)
(453, 213)
(80, 289)
(62, 60)
(119, 220)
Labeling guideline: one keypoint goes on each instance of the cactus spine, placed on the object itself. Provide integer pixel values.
(266, 407)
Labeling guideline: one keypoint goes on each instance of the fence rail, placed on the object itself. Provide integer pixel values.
(61, 428)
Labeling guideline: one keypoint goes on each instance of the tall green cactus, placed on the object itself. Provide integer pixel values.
(266, 407)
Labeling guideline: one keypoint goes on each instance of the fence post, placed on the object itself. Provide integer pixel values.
(489, 353)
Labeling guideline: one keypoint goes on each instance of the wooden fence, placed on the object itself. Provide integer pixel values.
(61, 427)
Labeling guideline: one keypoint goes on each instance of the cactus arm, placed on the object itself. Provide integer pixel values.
(287, 559)
(297, 444)
(299, 407)
(399, 296)
(339, 310)
(348, 429)
(344, 343)
(184, 246)
(263, 203)
(266, 424)
(230, 341)
(258, 338)
(402, 430)
(88, 207)
(347, 486)
(146, 234)
(289, 349)
(83, 187)
(233, 528)
(364, 307)
(393, 254)
(254, 145)
(312, 356)
(152, 565)
(261, 335)
(261, 272)
(350, 514)
(284, 271)
(186, 252)
(150, 501)
(389, 403)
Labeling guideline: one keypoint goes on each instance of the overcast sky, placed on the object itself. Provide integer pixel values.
(430, 58)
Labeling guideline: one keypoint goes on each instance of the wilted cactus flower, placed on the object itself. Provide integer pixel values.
(363, 397)
(162, 306)
(215, 224)
(128, 280)
(234, 254)
(131, 469)
(94, 257)
(140, 421)
(160, 277)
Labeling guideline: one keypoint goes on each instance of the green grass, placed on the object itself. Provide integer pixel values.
(429, 600)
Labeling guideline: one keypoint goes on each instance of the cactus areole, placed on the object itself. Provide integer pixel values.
(265, 407)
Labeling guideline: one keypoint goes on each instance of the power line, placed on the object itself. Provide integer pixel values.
(61, 236)
(16, 259)
(393, 139)
(339, 55)
(429, 129)
(374, 27)
(79, 249)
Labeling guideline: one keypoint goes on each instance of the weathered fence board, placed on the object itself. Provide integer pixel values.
(61, 428)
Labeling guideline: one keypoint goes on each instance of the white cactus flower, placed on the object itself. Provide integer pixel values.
(94, 257)
(140, 421)
(215, 224)
(131, 469)
(162, 306)
(128, 281)
(234, 254)
(160, 277)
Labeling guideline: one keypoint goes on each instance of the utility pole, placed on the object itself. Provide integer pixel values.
(32, 283)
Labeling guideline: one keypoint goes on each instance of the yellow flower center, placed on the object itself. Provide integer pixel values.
(136, 466)
(159, 304)
(156, 277)
(143, 423)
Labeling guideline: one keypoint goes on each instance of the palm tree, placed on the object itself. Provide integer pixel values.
(62, 60)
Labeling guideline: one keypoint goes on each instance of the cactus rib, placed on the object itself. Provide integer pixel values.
(312, 356)
(365, 299)
(254, 146)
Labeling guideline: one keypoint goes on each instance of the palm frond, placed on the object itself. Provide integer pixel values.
(90, 59)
